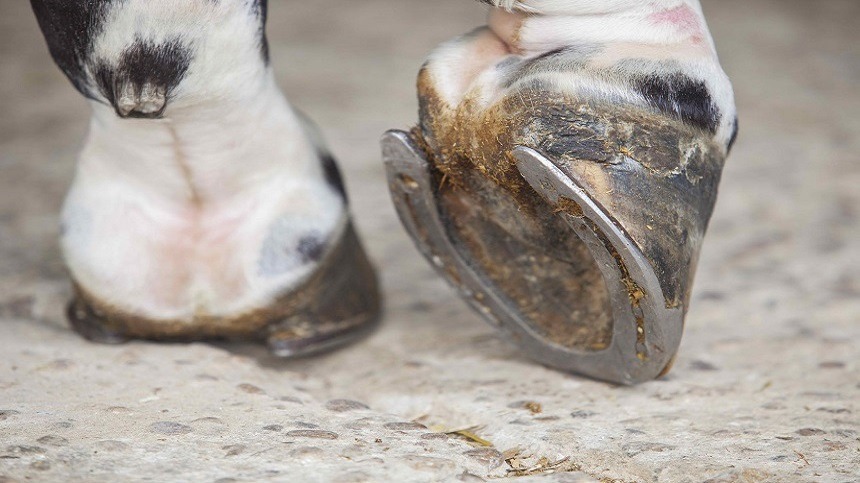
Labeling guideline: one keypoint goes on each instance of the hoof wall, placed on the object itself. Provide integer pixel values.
(298, 338)
(91, 325)
(339, 303)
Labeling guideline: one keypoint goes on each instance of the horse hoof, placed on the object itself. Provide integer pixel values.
(563, 179)
(339, 302)
(578, 287)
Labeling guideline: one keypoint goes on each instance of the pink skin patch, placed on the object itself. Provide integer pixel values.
(683, 18)
(507, 25)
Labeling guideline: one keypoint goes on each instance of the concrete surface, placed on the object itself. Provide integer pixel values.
(765, 389)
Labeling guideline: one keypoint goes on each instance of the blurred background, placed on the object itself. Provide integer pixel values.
(766, 385)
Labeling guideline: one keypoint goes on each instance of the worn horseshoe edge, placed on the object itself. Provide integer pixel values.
(646, 334)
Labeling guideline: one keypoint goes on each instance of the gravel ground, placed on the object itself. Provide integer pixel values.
(765, 388)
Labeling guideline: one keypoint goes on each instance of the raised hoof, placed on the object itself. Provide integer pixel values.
(91, 325)
(561, 277)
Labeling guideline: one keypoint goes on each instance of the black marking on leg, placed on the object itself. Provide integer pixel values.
(332, 175)
(290, 245)
(329, 165)
(734, 136)
(262, 9)
(69, 27)
(682, 97)
(159, 66)
(311, 248)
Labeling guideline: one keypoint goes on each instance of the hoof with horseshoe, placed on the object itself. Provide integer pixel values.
(563, 181)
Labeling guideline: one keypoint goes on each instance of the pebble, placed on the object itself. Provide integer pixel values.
(170, 428)
(53, 440)
(344, 405)
(312, 433)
